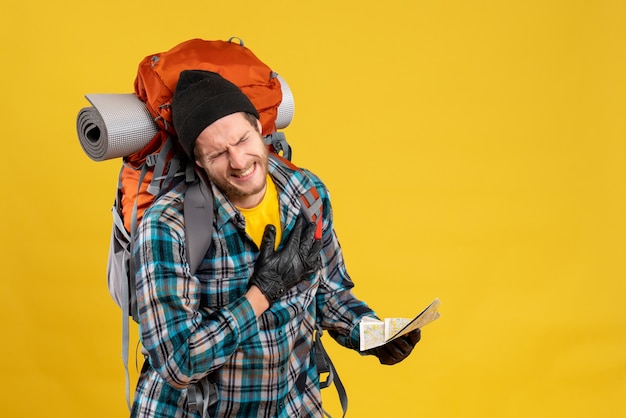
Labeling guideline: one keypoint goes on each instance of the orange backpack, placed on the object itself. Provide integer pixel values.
(151, 170)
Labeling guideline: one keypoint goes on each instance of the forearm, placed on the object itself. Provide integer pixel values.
(185, 344)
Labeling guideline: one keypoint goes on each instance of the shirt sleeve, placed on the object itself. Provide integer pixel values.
(184, 345)
(339, 311)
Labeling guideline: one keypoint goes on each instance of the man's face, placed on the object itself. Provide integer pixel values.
(233, 154)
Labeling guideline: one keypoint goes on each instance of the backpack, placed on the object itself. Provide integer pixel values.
(155, 164)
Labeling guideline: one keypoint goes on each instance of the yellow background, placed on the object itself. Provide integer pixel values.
(475, 152)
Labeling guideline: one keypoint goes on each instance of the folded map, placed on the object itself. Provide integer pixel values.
(375, 332)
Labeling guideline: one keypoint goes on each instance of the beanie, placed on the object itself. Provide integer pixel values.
(201, 98)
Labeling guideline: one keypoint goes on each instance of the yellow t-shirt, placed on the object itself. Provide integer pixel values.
(265, 213)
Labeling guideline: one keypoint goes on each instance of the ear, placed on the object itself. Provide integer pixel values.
(196, 156)
(259, 127)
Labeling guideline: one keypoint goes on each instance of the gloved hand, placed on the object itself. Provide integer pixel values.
(277, 271)
(396, 350)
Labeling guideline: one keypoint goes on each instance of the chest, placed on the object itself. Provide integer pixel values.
(226, 270)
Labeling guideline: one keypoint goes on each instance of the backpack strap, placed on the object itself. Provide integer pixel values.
(202, 395)
(325, 365)
(121, 243)
(312, 208)
(278, 142)
(198, 212)
(159, 162)
(134, 224)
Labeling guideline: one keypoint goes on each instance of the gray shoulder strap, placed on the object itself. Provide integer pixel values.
(198, 215)
(325, 365)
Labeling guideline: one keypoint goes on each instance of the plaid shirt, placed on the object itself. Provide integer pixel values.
(196, 325)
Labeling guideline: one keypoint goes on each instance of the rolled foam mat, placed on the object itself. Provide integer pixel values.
(114, 126)
(286, 108)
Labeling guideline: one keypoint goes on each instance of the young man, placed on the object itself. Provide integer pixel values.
(247, 317)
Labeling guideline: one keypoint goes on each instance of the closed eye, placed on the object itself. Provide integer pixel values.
(215, 155)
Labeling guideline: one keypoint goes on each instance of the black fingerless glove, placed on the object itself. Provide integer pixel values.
(275, 272)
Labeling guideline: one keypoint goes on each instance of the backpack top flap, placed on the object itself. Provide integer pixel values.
(157, 76)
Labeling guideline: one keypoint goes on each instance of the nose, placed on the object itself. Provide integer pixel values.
(236, 158)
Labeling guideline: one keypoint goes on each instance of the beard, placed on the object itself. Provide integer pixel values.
(236, 192)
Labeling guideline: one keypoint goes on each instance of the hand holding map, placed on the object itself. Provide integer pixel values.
(375, 333)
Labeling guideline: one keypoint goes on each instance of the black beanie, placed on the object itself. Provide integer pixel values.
(201, 98)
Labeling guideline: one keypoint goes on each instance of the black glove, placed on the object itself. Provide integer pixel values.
(277, 271)
(396, 350)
